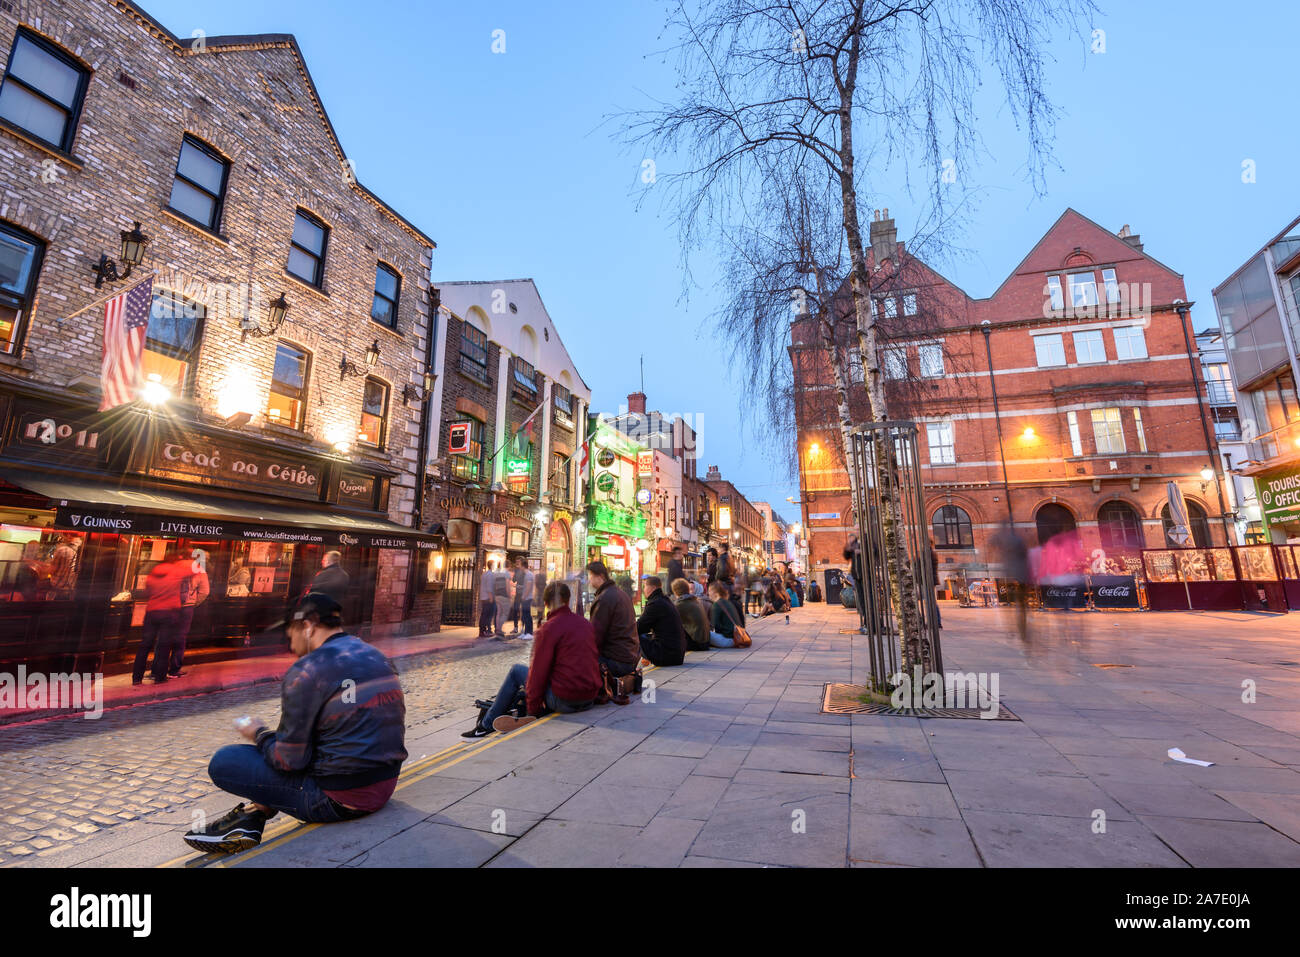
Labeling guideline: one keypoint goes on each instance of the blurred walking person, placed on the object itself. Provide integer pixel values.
(1014, 558)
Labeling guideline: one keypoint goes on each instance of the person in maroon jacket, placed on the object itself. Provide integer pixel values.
(565, 674)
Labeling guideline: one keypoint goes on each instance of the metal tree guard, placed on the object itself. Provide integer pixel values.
(887, 466)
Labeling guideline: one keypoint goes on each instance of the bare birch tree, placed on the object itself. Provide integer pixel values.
(848, 84)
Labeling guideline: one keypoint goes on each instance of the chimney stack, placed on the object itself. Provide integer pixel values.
(636, 402)
(714, 475)
(1130, 237)
(884, 237)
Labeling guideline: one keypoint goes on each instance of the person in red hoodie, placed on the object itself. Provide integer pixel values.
(564, 677)
(162, 614)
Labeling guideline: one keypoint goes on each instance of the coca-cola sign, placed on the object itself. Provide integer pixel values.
(1114, 591)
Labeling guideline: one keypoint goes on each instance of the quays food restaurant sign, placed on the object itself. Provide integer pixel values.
(1279, 494)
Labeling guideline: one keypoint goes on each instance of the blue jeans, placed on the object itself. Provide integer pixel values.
(718, 641)
(240, 769)
(516, 680)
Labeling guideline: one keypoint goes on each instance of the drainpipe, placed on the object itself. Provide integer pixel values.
(1183, 308)
(422, 455)
(997, 417)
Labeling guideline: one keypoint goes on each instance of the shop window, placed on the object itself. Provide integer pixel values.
(288, 387)
(374, 413)
(469, 467)
(20, 263)
(37, 563)
(1199, 525)
(171, 346)
(474, 353)
(307, 248)
(199, 189)
(388, 285)
(42, 90)
(1119, 526)
(259, 569)
(952, 528)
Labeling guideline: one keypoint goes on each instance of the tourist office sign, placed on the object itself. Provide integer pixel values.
(1278, 492)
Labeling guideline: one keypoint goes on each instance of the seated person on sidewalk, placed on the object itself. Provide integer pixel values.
(695, 623)
(618, 643)
(726, 615)
(564, 676)
(663, 642)
(340, 744)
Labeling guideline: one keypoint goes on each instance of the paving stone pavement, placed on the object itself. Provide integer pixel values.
(728, 761)
(65, 781)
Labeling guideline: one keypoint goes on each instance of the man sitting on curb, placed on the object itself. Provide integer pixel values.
(618, 643)
(564, 676)
(663, 642)
(695, 623)
(340, 744)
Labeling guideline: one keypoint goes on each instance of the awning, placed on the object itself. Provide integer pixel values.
(83, 504)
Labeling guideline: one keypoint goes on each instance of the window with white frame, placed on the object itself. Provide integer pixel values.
(1076, 441)
(1054, 290)
(1141, 433)
(891, 307)
(896, 363)
(940, 437)
(1049, 349)
(909, 304)
(1083, 289)
(1108, 431)
(1089, 346)
(1130, 342)
(931, 357)
(1112, 286)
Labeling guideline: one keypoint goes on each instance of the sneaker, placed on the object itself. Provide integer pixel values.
(508, 722)
(478, 731)
(176, 674)
(528, 636)
(237, 830)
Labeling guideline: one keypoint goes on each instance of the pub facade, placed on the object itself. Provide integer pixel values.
(278, 409)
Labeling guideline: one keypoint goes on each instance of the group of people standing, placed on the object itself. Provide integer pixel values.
(507, 594)
(578, 662)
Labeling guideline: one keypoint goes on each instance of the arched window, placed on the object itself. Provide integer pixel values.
(1200, 526)
(1052, 520)
(951, 527)
(1120, 527)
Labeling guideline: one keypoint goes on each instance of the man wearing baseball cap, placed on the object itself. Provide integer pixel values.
(340, 744)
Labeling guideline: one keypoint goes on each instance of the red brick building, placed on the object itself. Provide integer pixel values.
(1095, 397)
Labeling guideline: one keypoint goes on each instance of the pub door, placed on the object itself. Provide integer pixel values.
(459, 606)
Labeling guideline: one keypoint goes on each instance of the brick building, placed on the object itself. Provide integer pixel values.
(286, 348)
(734, 516)
(1096, 406)
(502, 486)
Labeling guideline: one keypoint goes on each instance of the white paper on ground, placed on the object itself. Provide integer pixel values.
(1179, 755)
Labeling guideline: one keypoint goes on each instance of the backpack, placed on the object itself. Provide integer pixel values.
(739, 635)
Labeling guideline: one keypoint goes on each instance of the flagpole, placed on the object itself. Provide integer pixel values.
(104, 299)
(518, 430)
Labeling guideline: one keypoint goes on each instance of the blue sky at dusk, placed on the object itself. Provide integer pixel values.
(508, 162)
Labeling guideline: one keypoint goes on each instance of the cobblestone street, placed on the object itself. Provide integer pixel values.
(65, 780)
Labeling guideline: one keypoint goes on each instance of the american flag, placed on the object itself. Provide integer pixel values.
(126, 322)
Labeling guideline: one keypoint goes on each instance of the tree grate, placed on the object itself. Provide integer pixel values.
(844, 699)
